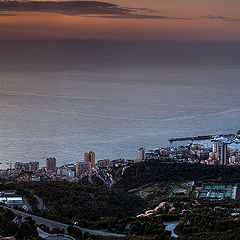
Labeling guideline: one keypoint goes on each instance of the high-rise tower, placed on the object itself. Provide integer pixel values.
(90, 157)
(51, 165)
(141, 154)
(223, 154)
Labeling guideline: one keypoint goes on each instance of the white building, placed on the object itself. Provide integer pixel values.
(65, 172)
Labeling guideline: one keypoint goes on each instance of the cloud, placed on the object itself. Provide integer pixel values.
(68, 7)
(93, 8)
(144, 16)
(218, 17)
(5, 14)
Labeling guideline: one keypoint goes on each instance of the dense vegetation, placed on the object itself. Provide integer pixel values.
(155, 171)
(114, 209)
(207, 220)
(12, 225)
(209, 224)
(26, 229)
(79, 201)
(233, 234)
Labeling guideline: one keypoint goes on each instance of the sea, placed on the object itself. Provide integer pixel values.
(61, 98)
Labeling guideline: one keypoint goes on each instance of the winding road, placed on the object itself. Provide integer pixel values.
(53, 224)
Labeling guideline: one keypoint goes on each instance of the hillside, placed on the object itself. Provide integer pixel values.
(66, 200)
(154, 171)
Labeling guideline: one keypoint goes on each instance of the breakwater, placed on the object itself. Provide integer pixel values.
(204, 137)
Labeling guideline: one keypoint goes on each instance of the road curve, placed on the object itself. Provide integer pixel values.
(53, 224)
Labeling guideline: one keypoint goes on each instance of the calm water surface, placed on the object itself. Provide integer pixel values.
(63, 99)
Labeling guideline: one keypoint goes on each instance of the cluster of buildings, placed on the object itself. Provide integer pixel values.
(81, 169)
(221, 154)
(168, 153)
(26, 167)
(30, 171)
(217, 154)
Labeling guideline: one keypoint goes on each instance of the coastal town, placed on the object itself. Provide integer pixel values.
(176, 200)
(217, 152)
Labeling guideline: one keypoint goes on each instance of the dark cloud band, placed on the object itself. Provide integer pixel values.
(95, 8)
(218, 17)
(71, 7)
(92, 8)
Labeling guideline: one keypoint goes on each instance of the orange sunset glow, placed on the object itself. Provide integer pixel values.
(184, 20)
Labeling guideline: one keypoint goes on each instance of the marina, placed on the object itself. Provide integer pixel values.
(227, 138)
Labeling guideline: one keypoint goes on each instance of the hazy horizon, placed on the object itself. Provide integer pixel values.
(113, 76)
(127, 20)
(64, 98)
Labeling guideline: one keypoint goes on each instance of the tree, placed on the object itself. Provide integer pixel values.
(10, 228)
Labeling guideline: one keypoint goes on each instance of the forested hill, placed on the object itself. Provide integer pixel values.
(66, 200)
(155, 171)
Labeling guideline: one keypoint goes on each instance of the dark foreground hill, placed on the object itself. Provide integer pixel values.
(78, 201)
(156, 171)
(108, 208)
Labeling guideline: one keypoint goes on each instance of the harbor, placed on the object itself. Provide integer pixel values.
(228, 138)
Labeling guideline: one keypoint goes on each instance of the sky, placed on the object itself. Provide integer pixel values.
(216, 20)
(76, 94)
